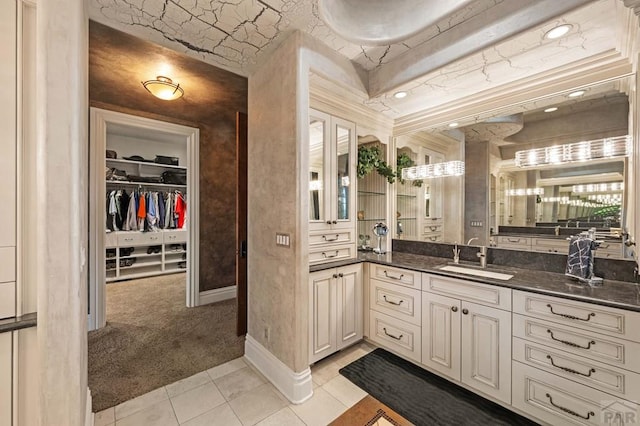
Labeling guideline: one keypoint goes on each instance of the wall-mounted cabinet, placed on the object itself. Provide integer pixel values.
(372, 198)
(332, 160)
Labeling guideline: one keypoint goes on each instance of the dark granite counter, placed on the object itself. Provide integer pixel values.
(18, 323)
(617, 294)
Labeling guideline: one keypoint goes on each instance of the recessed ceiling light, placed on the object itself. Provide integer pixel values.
(551, 109)
(576, 93)
(454, 124)
(558, 31)
(400, 95)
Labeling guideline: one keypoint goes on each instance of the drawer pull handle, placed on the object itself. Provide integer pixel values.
(326, 256)
(570, 316)
(324, 237)
(391, 335)
(384, 296)
(454, 308)
(433, 228)
(573, 413)
(392, 277)
(433, 238)
(511, 240)
(570, 370)
(574, 345)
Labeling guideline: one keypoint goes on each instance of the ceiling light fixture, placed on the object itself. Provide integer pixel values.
(163, 88)
(558, 31)
(576, 93)
(428, 171)
(400, 95)
(454, 124)
(552, 109)
(619, 146)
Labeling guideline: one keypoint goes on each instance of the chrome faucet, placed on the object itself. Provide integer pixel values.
(482, 255)
(471, 239)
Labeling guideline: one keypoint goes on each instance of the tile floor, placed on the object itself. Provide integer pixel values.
(235, 394)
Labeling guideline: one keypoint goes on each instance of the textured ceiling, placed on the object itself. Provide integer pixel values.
(236, 34)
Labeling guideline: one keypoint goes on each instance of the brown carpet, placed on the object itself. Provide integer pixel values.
(152, 339)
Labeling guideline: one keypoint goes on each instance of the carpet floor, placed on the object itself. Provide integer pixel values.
(152, 339)
(424, 398)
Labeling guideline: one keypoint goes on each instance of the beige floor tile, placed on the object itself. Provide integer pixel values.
(196, 401)
(219, 416)
(320, 409)
(158, 414)
(226, 368)
(127, 408)
(258, 404)
(324, 371)
(284, 417)
(105, 417)
(347, 356)
(235, 384)
(344, 390)
(189, 383)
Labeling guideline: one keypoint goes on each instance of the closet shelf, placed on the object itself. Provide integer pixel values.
(144, 163)
(169, 261)
(145, 184)
(140, 265)
(137, 256)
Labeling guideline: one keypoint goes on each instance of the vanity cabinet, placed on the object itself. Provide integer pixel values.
(5, 378)
(332, 162)
(336, 305)
(575, 362)
(466, 341)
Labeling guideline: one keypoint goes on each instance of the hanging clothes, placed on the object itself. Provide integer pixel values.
(180, 210)
(142, 212)
(131, 222)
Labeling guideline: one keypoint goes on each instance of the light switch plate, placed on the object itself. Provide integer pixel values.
(283, 240)
(476, 223)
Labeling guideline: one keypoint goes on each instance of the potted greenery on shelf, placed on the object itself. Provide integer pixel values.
(405, 161)
(369, 160)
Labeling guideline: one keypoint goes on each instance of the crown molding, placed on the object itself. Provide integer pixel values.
(599, 68)
(633, 5)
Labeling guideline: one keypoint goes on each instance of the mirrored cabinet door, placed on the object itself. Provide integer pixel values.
(319, 124)
(344, 136)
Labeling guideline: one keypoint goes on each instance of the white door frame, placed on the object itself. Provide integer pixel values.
(99, 120)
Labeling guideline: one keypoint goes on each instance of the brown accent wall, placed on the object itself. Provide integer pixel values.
(118, 62)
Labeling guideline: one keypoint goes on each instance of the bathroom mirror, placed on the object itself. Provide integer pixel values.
(498, 197)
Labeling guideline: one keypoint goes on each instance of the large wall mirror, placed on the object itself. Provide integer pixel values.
(495, 195)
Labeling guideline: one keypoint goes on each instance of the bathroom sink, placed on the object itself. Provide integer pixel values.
(477, 272)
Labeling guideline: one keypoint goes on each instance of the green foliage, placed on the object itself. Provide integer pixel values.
(405, 161)
(369, 160)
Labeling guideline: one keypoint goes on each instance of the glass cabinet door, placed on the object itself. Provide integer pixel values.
(318, 144)
(343, 181)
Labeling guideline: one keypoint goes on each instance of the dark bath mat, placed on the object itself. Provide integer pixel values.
(422, 397)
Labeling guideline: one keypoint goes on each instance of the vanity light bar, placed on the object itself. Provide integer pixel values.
(619, 146)
(428, 171)
(606, 198)
(598, 187)
(524, 191)
(561, 200)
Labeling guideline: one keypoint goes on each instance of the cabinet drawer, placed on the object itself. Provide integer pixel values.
(431, 237)
(610, 321)
(430, 228)
(7, 300)
(484, 294)
(395, 275)
(139, 238)
(550, 245)
(7, 264)
(340, 236)
(611, 250)
(329, 254)
(507, 241)
(397, 301)
(558, 401)
(173, 237)
(592, 373)
(110, 240)
(399, 336)
(607, 349)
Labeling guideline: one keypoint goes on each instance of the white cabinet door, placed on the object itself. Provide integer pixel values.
(349, 305)
(323, 315)
(441, 334)
(486, 349)
(5, 379)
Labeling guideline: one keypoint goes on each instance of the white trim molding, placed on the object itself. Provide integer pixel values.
(296, 387)
(217, 295)
(89, 416)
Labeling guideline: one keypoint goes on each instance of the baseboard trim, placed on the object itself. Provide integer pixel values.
(89, 416)
(296, 387)
(217, 295)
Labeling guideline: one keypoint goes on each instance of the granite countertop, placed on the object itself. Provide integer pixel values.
(552, 236)
(617, 294)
